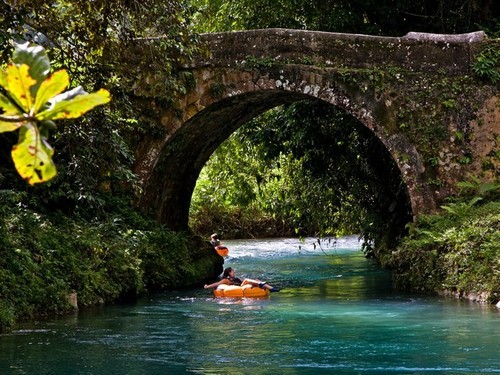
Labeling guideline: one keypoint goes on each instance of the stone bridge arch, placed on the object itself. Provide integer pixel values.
(388, 84)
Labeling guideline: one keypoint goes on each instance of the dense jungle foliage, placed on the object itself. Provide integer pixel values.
(455, 253)
(81, 232)
(46, 257)
(373, 17)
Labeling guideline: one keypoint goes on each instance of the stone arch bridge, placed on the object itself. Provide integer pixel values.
(417, 94)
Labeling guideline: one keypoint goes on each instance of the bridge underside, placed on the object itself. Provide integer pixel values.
(187, 152)
(193, 144)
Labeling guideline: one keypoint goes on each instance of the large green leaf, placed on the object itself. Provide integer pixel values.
(68, 95)
(32, 156)
(75, 106)
(51, 87)
(36, 58)
(30, 90)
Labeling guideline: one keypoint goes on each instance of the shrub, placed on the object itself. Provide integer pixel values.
(450, 252)
(46, 257)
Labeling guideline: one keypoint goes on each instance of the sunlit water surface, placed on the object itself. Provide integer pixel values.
(336, 314)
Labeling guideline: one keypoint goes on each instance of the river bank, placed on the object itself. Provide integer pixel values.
(456, 253)
(51, 263)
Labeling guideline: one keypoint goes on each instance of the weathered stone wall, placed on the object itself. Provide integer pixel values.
(416, 93)
(413, 52)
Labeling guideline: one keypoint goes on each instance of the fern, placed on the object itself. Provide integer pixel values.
(461, 209)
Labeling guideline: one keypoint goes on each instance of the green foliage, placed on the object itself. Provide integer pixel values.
(352, 16)
(46, 257)
(472, 192)
(238, 222)
(487, 64)
(257, 63)
(457, 251)
(99, 42)
(473, 187)
(460, 209)
(102, 45)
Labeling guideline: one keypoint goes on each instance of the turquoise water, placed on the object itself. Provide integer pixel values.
(336, 314)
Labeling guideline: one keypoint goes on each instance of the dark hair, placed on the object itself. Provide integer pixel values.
(226, 273)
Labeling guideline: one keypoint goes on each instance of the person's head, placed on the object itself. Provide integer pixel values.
(228, 272)
(214, 236)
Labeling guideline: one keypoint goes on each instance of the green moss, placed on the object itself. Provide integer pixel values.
(217, 89)
(259, 62)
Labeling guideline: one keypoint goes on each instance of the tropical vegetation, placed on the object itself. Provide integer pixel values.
(81, 231)
(456, 252)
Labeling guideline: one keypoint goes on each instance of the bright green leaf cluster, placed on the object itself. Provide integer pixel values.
(32, 99)
(487, 64)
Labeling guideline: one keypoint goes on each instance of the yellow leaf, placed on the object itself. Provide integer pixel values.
(6, 126)
(3, 79)
(52, 86)
(74, 107)
(32, 156)
(18, 84)
(9, 110)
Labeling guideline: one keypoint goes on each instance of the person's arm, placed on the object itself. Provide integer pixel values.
(215, 285)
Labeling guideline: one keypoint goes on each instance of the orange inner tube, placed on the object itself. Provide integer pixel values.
(235, 291)
(222, 250)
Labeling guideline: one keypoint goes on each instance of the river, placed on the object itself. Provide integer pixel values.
(336, 314)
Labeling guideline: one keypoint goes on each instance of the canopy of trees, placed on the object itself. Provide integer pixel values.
(386, 17)
(96, 42)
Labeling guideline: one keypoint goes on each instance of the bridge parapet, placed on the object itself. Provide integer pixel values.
(414, 52)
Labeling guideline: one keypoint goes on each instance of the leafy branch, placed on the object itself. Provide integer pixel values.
(31, 101)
